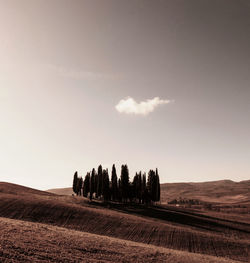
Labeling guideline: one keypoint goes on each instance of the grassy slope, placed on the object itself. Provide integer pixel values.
(224, 191)
(61, 191)
(9, 188)
(160, 226)
(34, 242)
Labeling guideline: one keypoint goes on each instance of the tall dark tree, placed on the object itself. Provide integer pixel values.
(139, 187)
(143, 187)
(134, 189)
(124, 182)
(114, 187)
(79, 186)
(158, 186)
(75, 178)
(92, 189)
(99, 183)
(151, 185)
(86, 185)
(106, 190)
(131, 192)
(119, 192)
(96, 184)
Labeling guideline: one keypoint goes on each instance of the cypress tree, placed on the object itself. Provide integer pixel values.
(99, 183)
(124, 182)
(96, 184)
(135, 188)
(114, 186)
(139, 190)
(106, 192)
(75, 182)
(86, 185)
(79, 186)
(143, 187)
(119, 191)
(152, 185)
(92, 184)
(131, 192)
(158, 194)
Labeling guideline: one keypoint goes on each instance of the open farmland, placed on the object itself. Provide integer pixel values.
(34, 242)
(162, 227)
(222, 192)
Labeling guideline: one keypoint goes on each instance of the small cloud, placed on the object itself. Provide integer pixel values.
(130, 106)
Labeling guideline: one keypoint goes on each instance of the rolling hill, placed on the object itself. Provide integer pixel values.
(165, 227)
(61, 191)
(34, 242)
(223, 191)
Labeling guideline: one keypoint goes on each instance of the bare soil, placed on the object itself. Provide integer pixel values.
(222, 192)
(166, 227)
(34, 242)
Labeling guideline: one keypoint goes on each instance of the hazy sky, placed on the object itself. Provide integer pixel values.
(149, 83)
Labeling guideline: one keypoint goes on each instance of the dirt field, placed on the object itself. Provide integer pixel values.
(34, 242)
(222, 192)
(167, 227)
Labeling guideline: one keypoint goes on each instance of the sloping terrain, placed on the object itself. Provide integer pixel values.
(61, 191)
(34, 242)
(224, 191)
(9, 188)
(164, 227)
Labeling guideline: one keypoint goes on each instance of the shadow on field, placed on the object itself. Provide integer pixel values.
(173, 215)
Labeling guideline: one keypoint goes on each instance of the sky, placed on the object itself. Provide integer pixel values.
(158, 83)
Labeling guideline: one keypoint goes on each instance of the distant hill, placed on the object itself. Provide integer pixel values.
(223, 191)
(61, 191)
(16, 189)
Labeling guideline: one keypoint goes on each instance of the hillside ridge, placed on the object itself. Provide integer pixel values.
(221, 191)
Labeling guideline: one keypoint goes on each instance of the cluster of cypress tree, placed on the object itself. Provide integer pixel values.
(97, 185)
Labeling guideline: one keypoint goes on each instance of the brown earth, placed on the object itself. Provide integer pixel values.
(224, 191)
(169, 227)
(61, 191)
(34, 242)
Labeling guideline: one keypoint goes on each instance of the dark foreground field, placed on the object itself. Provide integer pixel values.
(34, 242)
(163, 228)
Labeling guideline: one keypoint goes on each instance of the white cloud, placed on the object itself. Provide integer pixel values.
(130, 106)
